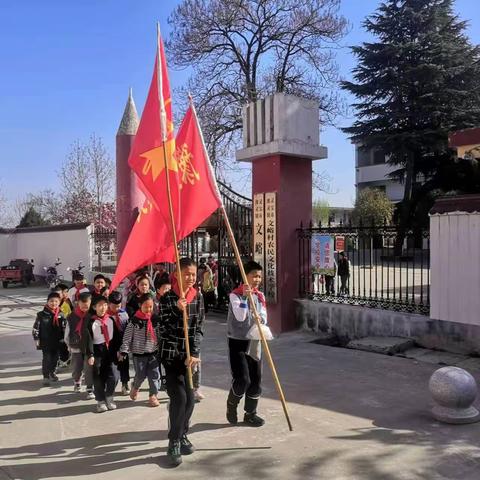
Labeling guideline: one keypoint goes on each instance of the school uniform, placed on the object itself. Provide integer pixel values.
(103, 341)
(121, 320)
(74, 329)
(244, 354)
(48, 334)
(173, 354)
(75, 292)
(140, 341)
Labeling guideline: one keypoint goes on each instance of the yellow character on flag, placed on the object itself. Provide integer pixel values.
(185, 165)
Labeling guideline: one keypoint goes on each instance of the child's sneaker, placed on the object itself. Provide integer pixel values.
(90, 394)
(232, 416)
(186, 447)
(110, 404)
(134, 393)
(125, 389)
(77, 387)
(46, 382)
(153, 401)
(101, 407)
(253, 420)
(174, 454)
(53, 377)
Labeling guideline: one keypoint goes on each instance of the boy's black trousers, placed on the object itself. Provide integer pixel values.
(246, 375)
(104, 374)
(181, 397)
(49, 362)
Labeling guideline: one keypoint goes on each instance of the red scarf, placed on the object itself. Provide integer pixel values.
(56, 313)
(255, 291)
(97, 291)
(78, 291)
(104, 327)
(116, 317)
(81, 315)
(148, 318)
(191, 293)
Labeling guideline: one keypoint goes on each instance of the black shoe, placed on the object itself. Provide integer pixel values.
(232, 416)
(174, 454)
(253, 420)
(46, 382)
(186, 447)
(53, 377)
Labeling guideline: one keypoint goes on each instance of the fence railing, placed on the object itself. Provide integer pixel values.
(379, 270)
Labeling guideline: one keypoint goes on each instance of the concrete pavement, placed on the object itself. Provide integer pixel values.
(356, 415)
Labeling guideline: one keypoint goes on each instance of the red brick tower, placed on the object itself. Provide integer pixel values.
(129, 196)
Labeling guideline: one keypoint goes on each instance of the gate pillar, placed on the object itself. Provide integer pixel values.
(281, 138)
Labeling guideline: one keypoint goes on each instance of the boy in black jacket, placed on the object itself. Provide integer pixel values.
(173, 354)
(76, 344)
(103, 340)
(48, 335)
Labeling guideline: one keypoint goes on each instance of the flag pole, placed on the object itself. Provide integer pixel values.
(256, 316)
(163, 124)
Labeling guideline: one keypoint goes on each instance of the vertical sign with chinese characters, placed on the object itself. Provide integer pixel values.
(259, 228)
(270, 273)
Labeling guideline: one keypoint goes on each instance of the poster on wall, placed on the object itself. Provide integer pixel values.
(322, 254)
(340, 244)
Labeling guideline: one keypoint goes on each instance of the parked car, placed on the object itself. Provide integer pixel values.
(17, 271)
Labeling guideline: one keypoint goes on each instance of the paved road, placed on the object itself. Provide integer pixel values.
(356, 415)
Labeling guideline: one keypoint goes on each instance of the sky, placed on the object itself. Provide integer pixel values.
(66, 68)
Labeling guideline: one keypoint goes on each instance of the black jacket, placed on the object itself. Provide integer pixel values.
(75, 335)
(46, 332)
(87, 339)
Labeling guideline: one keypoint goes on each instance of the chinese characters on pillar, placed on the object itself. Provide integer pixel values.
(271, 247)
(265, 240)
(259, 228)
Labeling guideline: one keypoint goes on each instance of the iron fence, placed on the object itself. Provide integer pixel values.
(380, 270)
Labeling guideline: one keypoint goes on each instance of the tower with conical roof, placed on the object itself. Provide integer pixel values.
(129, 196)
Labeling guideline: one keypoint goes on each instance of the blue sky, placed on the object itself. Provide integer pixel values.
(65, 70)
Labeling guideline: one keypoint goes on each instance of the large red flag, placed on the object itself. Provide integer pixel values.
(151, 240)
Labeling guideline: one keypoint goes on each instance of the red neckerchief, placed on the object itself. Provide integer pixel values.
(78, 291)
(56, 313)
(189, 296)
(148, 318)
(255, 291)
(116, 317)
(97, 291)
(81, 315)
(104, 327)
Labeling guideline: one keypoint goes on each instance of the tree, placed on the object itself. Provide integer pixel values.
(419, 81)
(372, 207)
(242, 50)
(321, 212)
(87, 180)
(32, 219)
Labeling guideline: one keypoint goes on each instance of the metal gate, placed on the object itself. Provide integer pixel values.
(239, 211)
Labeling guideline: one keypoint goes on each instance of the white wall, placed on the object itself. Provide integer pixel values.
(71, 246)
(455, 267)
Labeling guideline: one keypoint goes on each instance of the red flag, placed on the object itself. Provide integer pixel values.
(146, 244)
(155, 135)
(198, 197)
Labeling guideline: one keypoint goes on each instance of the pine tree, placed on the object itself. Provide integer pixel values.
(31, 219)
(418, 82)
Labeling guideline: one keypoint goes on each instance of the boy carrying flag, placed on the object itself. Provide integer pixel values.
(173, 354)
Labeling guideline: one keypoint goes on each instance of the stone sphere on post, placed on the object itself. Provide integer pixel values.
(454, 390)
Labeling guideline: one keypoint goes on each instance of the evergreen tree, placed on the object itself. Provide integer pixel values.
(417, 83)
(31, 219)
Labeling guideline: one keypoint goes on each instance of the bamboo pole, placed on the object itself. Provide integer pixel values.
(238, 258)
(163, 126)
(256, 316)
(179, 272)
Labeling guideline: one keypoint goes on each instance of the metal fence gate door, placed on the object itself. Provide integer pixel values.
(239, 211)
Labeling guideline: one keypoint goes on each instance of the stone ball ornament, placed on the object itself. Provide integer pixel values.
(454, 390)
